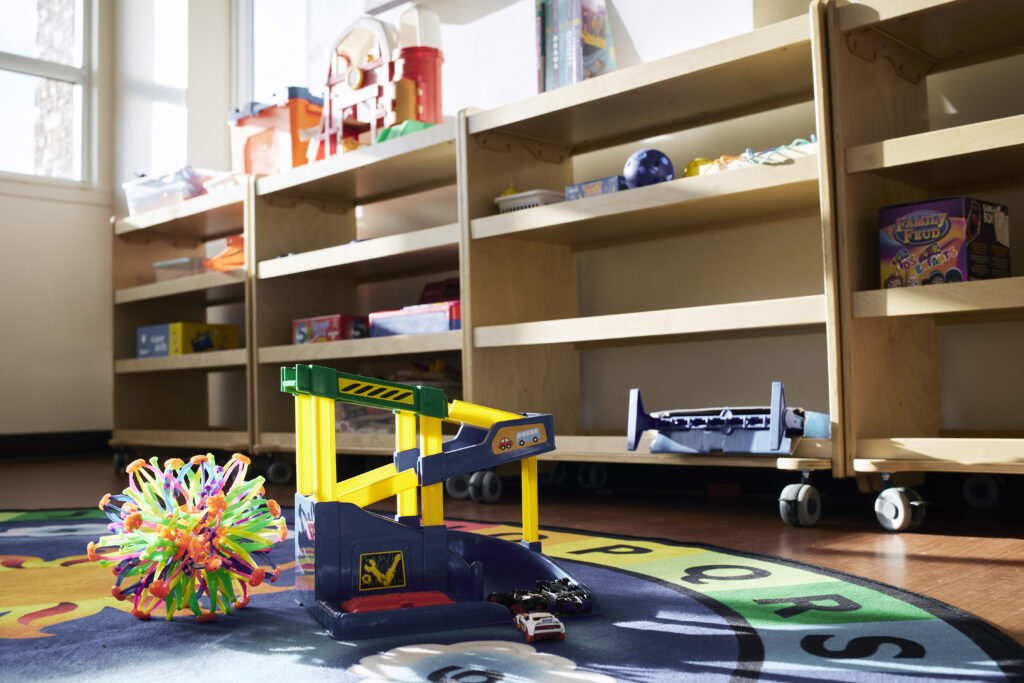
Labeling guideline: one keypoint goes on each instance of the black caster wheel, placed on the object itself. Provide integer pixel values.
(800, 505)
(280, 472)
(554, 477)
(899, 509)
(457, 487)
(592, 476)
(123, 456)
(984, 491)
(485, 486)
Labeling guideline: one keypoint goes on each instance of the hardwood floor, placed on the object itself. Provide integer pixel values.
(972, 559)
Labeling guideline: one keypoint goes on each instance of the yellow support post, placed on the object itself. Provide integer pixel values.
(531, 524)
(433, 495)
(405, 438)
(304, 439)
(324, 450)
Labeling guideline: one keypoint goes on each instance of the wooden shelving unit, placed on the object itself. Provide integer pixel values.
(891, 148)
(719, 318)
(202, 439)
(195, 401)
(536, 281)
(328, 242)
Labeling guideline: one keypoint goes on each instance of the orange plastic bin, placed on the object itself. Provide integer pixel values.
(269, 138)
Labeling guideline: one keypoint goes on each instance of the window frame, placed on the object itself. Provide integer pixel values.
(75, 75)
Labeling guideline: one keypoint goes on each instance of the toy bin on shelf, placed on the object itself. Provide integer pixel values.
(527, 200)
(155, 192)
(418, 319)
(178, 267)
(329, 328)
(175, 339)
(269, 138)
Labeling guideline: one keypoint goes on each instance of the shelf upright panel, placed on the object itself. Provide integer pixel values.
(526, 302)
(892, 149)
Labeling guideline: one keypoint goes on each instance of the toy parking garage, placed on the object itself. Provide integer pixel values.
(362, 574)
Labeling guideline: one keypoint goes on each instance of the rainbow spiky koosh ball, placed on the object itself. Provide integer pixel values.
(189, 531)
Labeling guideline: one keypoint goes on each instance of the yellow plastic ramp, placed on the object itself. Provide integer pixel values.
(370, 487)
(478, 416)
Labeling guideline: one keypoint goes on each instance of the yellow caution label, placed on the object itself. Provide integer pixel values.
(381, 570)
(374, 393)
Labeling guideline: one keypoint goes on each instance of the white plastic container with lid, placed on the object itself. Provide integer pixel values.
(419, 27)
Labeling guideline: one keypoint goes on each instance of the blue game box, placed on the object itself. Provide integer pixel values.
(592, 188)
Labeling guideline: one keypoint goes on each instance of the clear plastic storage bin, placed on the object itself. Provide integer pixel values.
(154, 192)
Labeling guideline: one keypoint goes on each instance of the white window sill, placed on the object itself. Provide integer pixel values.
(54, 189)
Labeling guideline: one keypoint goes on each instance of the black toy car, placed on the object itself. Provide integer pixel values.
(558, 596)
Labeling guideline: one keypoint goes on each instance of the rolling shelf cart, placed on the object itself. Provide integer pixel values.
(889, 150)
(164, 402)
(541, 323)
(327, 242)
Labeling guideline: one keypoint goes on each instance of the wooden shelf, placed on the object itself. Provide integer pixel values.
(206, 217)
(418, 161)
(209, 439)
(768, 314)
(407, 251)
(948, 31)
(960, 297)
(181, 285)
(736, 195)
(810, 454)
(345, 442)
(979, 151)
(208, 360)
(766, 68)
(940, 455)
(396, 345)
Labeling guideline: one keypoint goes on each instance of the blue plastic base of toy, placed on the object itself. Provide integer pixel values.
(333, 540)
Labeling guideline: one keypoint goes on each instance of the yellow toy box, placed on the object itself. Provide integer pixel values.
(175, 339)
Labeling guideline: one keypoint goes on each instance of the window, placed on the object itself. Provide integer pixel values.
(279, 49)
(44, 79)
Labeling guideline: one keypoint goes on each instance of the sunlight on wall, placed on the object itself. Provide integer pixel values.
(170, 129)
(170, 43)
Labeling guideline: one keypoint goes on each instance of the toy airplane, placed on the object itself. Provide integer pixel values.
(767, 430)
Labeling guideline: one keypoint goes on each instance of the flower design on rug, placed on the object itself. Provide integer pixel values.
(484, 660)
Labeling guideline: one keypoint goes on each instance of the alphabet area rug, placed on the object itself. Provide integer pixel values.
(668, 611)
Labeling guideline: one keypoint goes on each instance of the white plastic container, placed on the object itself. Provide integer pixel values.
(419, 27)
(525, 200)
(179, 267)
(154, 192)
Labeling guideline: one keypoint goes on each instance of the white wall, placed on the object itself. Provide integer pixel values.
(56, 357)
(55, 353)
(55, 346)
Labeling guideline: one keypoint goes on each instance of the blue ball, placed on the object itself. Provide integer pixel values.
(646, 167)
